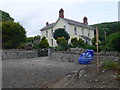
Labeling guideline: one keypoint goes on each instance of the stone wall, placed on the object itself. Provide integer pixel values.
(18, 54)
(72, 56)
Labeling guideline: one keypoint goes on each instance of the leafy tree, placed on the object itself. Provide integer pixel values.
(113, 42)
(44, 43)
(5, 17)
(13, 34)
(60, 32)
(94, 40)
(29, 39)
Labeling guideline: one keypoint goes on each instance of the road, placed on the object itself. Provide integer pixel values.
(34, 72)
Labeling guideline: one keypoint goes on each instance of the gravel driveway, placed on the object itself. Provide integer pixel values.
(34, 72)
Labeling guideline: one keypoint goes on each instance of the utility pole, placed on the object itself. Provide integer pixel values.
(97, 41)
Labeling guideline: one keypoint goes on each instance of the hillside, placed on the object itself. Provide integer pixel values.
(108, 28)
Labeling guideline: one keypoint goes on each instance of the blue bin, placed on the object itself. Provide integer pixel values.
(85, 58)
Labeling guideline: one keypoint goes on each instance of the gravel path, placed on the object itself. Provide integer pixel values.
(35, 72)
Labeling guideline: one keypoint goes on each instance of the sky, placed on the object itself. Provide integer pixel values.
(33, 14)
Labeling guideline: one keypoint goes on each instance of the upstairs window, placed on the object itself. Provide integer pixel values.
(46, 33)
(75, 30)
(88, 33)
(52, 32)
(82, 31)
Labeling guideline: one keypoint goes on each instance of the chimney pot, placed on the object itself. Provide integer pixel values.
(85, 20)
(61, 13)
(47, 23)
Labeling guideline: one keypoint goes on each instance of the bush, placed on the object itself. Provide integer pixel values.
(62, 44)
(59, 40)
(75, 42)
(90, 47)
(110, 65)
(44, 43)
(81, 42)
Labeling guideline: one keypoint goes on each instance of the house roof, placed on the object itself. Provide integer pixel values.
(48, 26)
(85, 37)
(70, 22)
(78, 23)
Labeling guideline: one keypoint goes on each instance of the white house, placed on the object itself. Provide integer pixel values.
(74, 28)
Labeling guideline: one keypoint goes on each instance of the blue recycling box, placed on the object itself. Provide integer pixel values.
(87, 57)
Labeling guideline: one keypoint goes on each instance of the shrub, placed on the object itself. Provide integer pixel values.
(81, 42)
(75, 42)
(44, 43)
(60, 39)
(110, 65)
(87, 46)
(62, 44)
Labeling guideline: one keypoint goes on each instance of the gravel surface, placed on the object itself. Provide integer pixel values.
(35, 72)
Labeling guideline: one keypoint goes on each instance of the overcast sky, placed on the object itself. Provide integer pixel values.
(33, 14)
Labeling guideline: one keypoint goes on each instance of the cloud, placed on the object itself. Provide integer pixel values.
(59, 1)
(33, 15)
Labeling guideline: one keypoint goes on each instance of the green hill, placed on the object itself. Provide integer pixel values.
(108, 28)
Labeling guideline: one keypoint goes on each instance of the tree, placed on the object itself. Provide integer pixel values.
(60, 32)
(5, 17)
(94, 41)
(13, 34)
(112, 42)
(44, 43)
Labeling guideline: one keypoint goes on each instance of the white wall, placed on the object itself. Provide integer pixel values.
(69, 28)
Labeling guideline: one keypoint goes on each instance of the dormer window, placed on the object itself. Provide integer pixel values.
(75, 30)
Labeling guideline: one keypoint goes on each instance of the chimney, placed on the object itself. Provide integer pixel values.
(47, 23)
(61, 13)
(85, 20)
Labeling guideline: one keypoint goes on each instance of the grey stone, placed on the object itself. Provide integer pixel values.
(113, 76)
(81, 73)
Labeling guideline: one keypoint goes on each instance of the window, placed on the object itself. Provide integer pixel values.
(88, 33)
(82, 31)
(46, 33)
(64, 27)
(52, 32)
(52, 42)
(75, 30)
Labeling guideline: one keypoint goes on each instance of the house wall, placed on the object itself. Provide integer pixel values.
(69, 28)
(79, 32)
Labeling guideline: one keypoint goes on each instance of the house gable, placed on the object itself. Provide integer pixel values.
(60, 23)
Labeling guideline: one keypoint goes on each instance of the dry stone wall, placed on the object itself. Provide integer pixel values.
(72, 56)
(18, 54)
